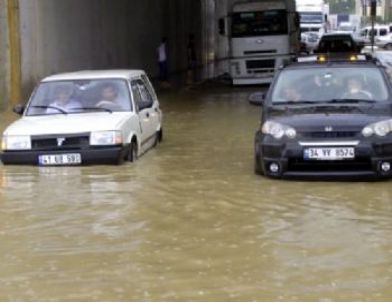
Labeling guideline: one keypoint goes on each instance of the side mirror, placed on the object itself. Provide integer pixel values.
(257, 98)
(19, 109)
(144, 105)
(222, 26)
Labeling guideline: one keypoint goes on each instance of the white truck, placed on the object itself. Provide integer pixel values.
(263, 35)
(312, 14)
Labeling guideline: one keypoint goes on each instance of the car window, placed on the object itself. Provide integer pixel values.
(323, 84)
(143, 97)
(149, 86)
(136, 94)
(383, 32)
(336, 44)
(80, 96)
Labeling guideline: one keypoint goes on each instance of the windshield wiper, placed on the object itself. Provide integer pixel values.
(93, 109)
(295, 103)
(51, 107)
(351, 101)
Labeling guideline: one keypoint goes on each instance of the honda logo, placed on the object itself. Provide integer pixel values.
(259, 41)
(328, 129)
(60, 141)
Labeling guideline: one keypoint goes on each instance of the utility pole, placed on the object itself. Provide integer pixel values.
(373, 13)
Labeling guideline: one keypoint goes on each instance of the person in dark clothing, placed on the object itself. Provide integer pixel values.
(191, 58)
(162, 61)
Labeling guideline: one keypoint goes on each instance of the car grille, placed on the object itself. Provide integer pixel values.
(260, 65)
(324, 134)
(301, 165)
(60, 142)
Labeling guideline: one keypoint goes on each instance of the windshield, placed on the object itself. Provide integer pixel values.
(310, 29)
(346, 28)
(336, 84)
(260, 23)
(80, 96)
(311, 17)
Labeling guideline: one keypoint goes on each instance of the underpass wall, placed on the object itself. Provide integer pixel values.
(4, 55)
(61, 36)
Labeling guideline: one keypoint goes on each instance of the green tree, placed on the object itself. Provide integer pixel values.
(341, 6)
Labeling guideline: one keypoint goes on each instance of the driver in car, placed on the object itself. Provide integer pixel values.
(63, 101)
(355, 90)
(291, 94)
(110, 98)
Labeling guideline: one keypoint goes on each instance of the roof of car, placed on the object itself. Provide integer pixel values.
(95, 74)
(336, 34)
(334, 62)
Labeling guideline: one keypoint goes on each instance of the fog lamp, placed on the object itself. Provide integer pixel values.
(274, 167)
(386, 166)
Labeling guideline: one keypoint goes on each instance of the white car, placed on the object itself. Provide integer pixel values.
(87, 117)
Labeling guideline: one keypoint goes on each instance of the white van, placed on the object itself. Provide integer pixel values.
(382, 35)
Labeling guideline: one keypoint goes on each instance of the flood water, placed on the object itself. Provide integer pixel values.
(191, 222)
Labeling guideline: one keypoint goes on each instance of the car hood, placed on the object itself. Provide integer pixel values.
(338, 122)
(67, 124)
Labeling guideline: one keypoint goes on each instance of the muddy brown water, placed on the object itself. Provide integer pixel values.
(191, 222)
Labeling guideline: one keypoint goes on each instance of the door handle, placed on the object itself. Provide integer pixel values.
(147, 115)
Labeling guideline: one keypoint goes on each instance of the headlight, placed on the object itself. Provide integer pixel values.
(105, 138)
(16, 142)
(278, 130)
(380, 129)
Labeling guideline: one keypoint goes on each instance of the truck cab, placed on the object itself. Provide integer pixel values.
(263, 35)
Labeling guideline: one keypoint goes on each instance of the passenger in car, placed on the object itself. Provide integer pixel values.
(291, 93)
(355, 89)
(63, 101)
(109, 98)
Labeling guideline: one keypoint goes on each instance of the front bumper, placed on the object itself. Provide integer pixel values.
(90, 156)
(242, 81)
(289, 156)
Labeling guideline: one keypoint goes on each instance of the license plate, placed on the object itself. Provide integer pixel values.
(329, 153)
(60, 159)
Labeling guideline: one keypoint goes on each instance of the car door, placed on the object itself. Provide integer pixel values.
(144, 110)
(156, 115)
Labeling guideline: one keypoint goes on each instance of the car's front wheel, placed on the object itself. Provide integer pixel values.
(132, 153)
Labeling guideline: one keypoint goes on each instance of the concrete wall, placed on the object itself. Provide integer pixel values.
(4, 55)
(68, 35)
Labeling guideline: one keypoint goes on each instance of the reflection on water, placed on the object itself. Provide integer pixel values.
(190, 222)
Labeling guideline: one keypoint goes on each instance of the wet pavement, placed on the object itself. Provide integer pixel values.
(191, 222)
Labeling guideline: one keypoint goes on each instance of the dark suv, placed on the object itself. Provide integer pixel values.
(330, 119)
(338, 43)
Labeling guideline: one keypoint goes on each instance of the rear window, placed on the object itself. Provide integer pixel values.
(336, 44)
(324, 84)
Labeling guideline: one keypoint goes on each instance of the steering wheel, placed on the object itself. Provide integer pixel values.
(362, 95)
(109, 105)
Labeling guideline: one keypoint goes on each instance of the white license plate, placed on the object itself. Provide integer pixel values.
(329, 153)
(60, 159)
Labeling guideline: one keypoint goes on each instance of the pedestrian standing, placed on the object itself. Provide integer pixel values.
(162, 61)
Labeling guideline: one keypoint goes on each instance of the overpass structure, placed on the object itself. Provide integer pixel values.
(42, 37)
